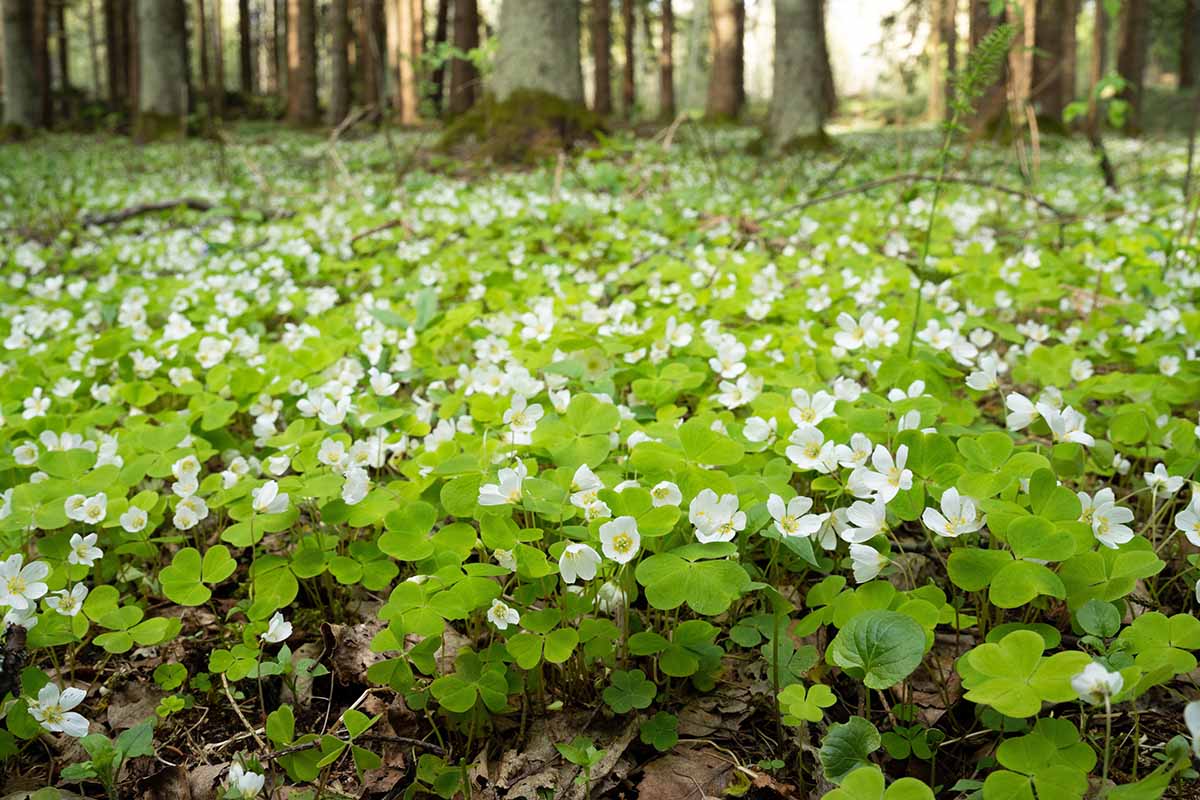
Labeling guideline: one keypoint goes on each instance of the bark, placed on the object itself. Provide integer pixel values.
(828, 90)
(339, 62)
(441, 30)
(1189, 45)
(1054, 59)
(22, 107)
(62, 48)
(93, 47)
(602, 56)
(798, 99)
(116, 49)
(162, 70)
(281, 56)
(739, 59)
(371, 49)
(245, 49)
(666, 63)
(538, 49)
(218, 36)
(401, 35)
(302, 62)
(943, 41)
(694, 83)
(1132, 45)
(464, 77)
(723, 74)
(990, 107)
(203, 45)
(41, 59)
(270, 36)
(629, 68)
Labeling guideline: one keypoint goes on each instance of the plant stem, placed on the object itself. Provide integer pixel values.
(1107, 736)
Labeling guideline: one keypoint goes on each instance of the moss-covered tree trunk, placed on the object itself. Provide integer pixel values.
(724, 73)
(797, 114)
(601, 29)
(22, 107)
(539, 49)
(162, 70)
(302, 62)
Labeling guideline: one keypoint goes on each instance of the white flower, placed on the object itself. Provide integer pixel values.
(36, 405)
(811, 410)
(1096, 683)
(578, 561)
(866, 521)
(268, 499)
(1188, 521)
(1022, 411)
(134, 519)
(1160, 481)
(506, 559)
(866, 562)
(94, 509)
(1066, 425)
(382, 384)
(609, 598)
(245, 782)
(68, 603)
(522, 419)
(1191, 718)
(957, 516)
(715, 519)
(25, 454)
(21, 586)
(665, 493)
(189, 512)
(508, 490)
(356, 486)
(53, 710)
(332, 453)
(808, 449)
(84, 550)
(278, 629)
(1108, 524)
(1089, 503)
(758, 430)
(890, 477)
(24, 617)
(620, 539)
(856, 453)
(502, 615)
(986, 377)
(793, 518)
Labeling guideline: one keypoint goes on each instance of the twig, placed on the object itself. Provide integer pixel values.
(238, 710)
(366, 737)
(118, 217)
(387, 226)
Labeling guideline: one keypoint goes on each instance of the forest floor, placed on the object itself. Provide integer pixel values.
(290, 382)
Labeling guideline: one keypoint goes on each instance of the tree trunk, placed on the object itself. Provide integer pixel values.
(1131, 57)
(117, 46)
(62, 49)
(245, 49)
(270, 36)
(441, 30)
(797, 97)
(281, 52)
(943, 39)
(162, 70)
(22, 107)
(666, 63)
(538, 49)
(41, 59)
(629, 67)
(339, 62)
(828, 89)
(990, 106)
(739, 59)
(204, 46)
(602, 55)
(302, 62)
(94, 48)
(1189, 45)
(218, 36)
(417, 52)
(464, 77)
(1054, 59)
(722, 77)
(402, 59)
(371, 51)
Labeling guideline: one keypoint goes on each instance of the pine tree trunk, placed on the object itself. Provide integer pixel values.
(739, 58)
(402, 59)
(602, 56)
(538, 49)
(798, 97)
(302, 62)
(218, 36)
(629, 67)
(281, 51)
(722, 76)
(339, 62)
(245, 49)
(62, 48)
(441, 30)
(270, 36)
(1189, 44)
(117, 46)
(22, 106)
(935, 107)
(41, 59)
(371, 51)
(1054, 58)
(162, 70)
(203, 45)
(1132, 45)
(464, 77)
(990, 107)
(94, 48)
(694, 83)
(666, 63)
